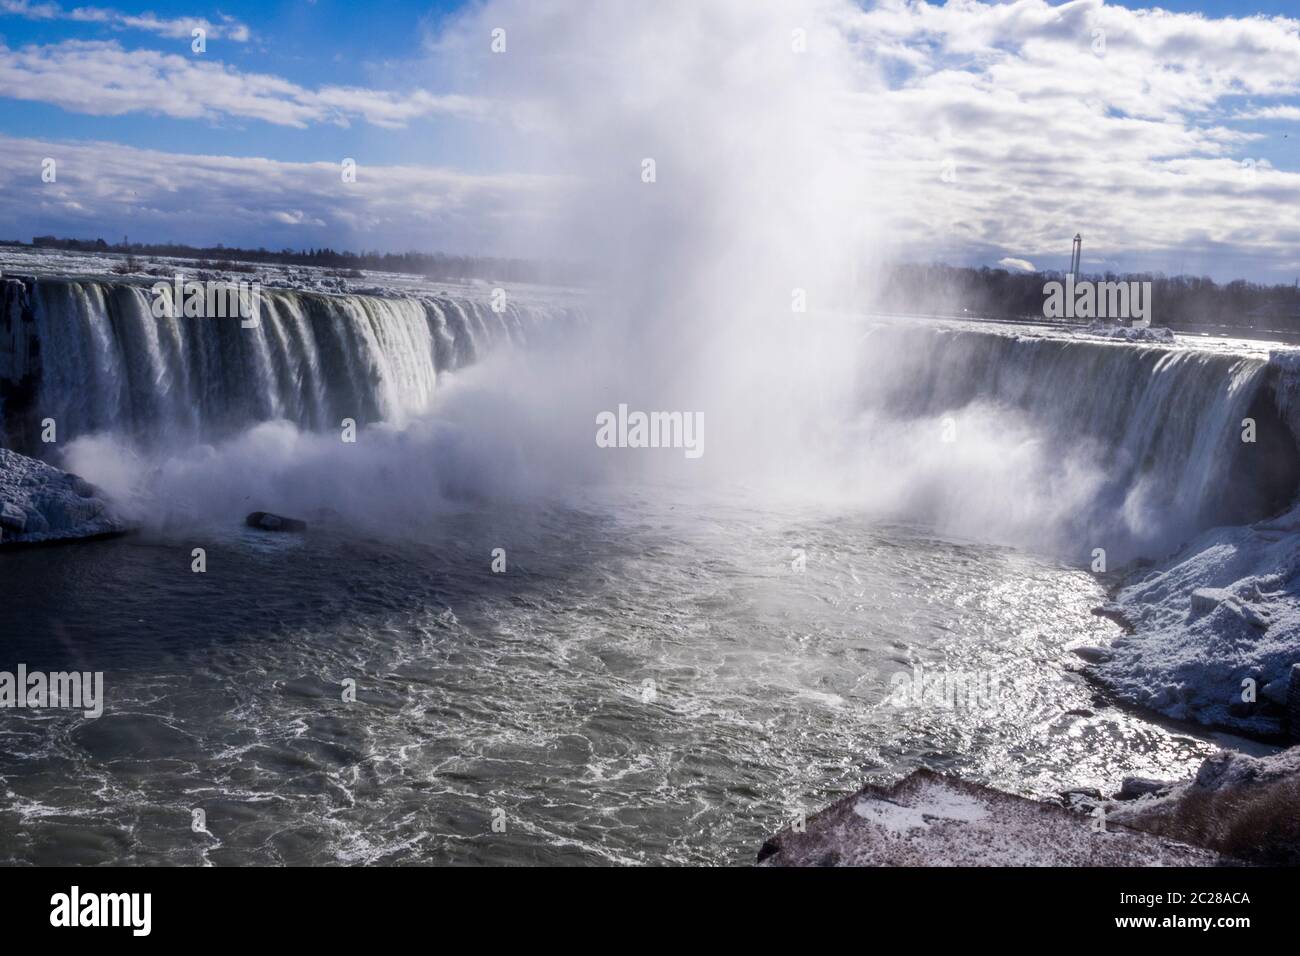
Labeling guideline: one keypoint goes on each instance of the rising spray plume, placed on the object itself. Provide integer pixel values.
(701, 167)
(706, 165)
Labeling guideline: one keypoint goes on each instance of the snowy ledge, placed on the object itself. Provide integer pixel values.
(39, 504)
(932, 820)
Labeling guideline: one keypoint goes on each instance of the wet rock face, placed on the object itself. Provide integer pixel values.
(19, 364)
(39, 503)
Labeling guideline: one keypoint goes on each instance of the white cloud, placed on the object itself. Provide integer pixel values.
(1017, 265)
(1286, 113)
(175, 27)
(104, 189)
(1082, 116)
(296, 217)
(991, 131)
(103, 79)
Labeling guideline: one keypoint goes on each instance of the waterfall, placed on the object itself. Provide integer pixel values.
(1158, 429)
(1066, 442)
(91, 355)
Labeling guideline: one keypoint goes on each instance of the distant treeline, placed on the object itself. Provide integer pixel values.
(906, 288)
(997, 293)
(435, 265)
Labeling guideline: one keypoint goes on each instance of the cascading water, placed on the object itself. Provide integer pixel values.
(1060, 444)
(92, 356)
(1133, 447)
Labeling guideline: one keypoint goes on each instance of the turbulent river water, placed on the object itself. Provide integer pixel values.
(646, 683)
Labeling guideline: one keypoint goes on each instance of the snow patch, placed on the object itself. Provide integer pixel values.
(1213, 627)
(934, 804)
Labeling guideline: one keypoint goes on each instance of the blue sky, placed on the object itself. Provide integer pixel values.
(1174, 149)
(312, 44)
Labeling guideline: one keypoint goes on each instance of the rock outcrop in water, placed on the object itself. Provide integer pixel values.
(39, 504)
(265, 521)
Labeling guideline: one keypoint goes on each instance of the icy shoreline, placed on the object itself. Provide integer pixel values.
(1213, 631)
(40, 504)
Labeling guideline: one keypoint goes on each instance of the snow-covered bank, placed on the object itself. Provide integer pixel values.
(932, 820)
(1215, 629)
(39, 504)
(1237, 809)
(1237, 805)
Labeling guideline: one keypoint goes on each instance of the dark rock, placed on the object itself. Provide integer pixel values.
(1222, 766)
(12, 518)
(1275, 692)
(1241, 708)
(265, 521)
(1134, 787)
(1087, 796)
(1093, 655)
